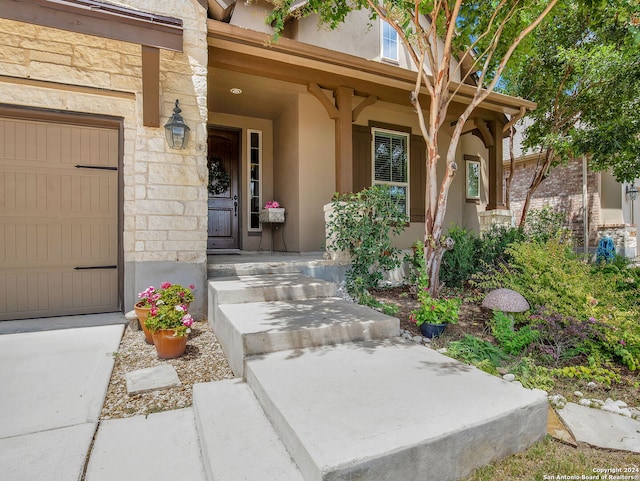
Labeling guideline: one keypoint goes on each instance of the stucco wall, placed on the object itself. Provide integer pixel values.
(317, 171)
(286, 174)
(165, 213)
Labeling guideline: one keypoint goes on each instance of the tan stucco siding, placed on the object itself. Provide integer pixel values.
(472, 145)
(286, 172)
(317, 171)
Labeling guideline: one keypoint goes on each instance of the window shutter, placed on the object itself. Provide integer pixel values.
(361, 138)
(418, 168)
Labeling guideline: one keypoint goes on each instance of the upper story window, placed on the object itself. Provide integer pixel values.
(390, 44)
(391, 164)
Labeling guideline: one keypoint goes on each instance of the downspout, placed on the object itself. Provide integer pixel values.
(585, 207)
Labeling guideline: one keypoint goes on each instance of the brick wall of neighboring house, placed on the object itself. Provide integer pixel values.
(562, 190)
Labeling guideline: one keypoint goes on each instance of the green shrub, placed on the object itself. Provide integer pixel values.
(473, 350)
(363, 224)
(532, 375)
(545, 224)
(597, 374)
(491, 247)
(550, 275)
(511, 341)
(459, 263)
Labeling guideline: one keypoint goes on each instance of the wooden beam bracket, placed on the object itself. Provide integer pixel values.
(316, 91)
(370, 100)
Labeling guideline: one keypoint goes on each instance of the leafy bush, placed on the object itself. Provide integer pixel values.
(545, 224)
(550, 275)
(596, 374)
(563, 337)
(473, 350)
(363, 224)
(491, 247)
(459, 263)
(532, 375)
(510, 340)
(435, 311)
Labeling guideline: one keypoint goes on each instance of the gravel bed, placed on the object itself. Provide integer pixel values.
(203, 361)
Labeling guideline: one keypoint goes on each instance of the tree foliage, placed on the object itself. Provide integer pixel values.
(582, 67)
(481, 34)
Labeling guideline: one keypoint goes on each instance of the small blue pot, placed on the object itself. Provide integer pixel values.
(432, 330)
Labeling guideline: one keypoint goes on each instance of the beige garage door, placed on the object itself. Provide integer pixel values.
(58, 219)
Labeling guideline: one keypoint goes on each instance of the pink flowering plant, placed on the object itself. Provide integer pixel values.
(166, 316)
(435, 311)
(170, 294)
(272, 204)
(168, 307)
(148, 297)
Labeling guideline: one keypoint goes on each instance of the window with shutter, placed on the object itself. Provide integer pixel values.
(390, 164)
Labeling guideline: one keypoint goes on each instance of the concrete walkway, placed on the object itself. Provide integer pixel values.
(53, 388)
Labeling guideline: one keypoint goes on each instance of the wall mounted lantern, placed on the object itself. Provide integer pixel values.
(176, 130)
(632, 192)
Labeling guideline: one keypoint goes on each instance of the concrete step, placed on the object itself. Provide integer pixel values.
(268, 287)
(391, 410)
(161, 446)
(263, 327)
(245, 265)
(237, 440)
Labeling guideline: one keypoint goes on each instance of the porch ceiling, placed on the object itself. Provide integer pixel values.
(261, 97)
(241, 50)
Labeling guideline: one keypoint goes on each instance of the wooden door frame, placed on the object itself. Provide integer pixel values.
(90, 120)
(239, 161)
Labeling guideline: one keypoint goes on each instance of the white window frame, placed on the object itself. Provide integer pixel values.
(468, 163)
(406, 184)
(249, 179)
(385, 55)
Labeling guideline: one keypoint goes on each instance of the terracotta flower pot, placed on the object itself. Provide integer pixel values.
(167, 345)
(143, 313)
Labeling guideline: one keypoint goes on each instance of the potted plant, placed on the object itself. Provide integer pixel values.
(272, 212)
(170, 326)
(433, 315)
(168, 295)
(147, 300)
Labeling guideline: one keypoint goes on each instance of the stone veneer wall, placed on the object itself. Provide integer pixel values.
(165, 196)
(563, 191)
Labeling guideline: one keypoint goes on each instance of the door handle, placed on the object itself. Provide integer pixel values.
(235, 205)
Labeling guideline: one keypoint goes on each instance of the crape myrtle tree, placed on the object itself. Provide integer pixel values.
(482, 33)
(582, 67)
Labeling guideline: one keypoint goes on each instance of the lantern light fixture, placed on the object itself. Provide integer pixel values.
(176, 131)
(632, 192)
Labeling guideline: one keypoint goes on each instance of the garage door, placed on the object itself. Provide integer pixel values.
(58, 219)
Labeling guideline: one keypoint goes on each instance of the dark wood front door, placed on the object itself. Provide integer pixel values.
(224, 203)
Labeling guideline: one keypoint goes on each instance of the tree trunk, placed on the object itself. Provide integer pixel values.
(512, 168)
(540, 174)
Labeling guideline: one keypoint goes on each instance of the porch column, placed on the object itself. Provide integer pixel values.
(496, 195)
(344, 142)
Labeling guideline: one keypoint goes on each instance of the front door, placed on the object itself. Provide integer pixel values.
(224, 189)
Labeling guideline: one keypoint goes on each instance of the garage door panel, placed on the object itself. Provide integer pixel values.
(55, 293)
(57, 222)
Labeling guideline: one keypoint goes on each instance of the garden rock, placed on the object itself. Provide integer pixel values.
(558, 401)
(508, 377)
(505, 300)
(592, 385)
(578, 394)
